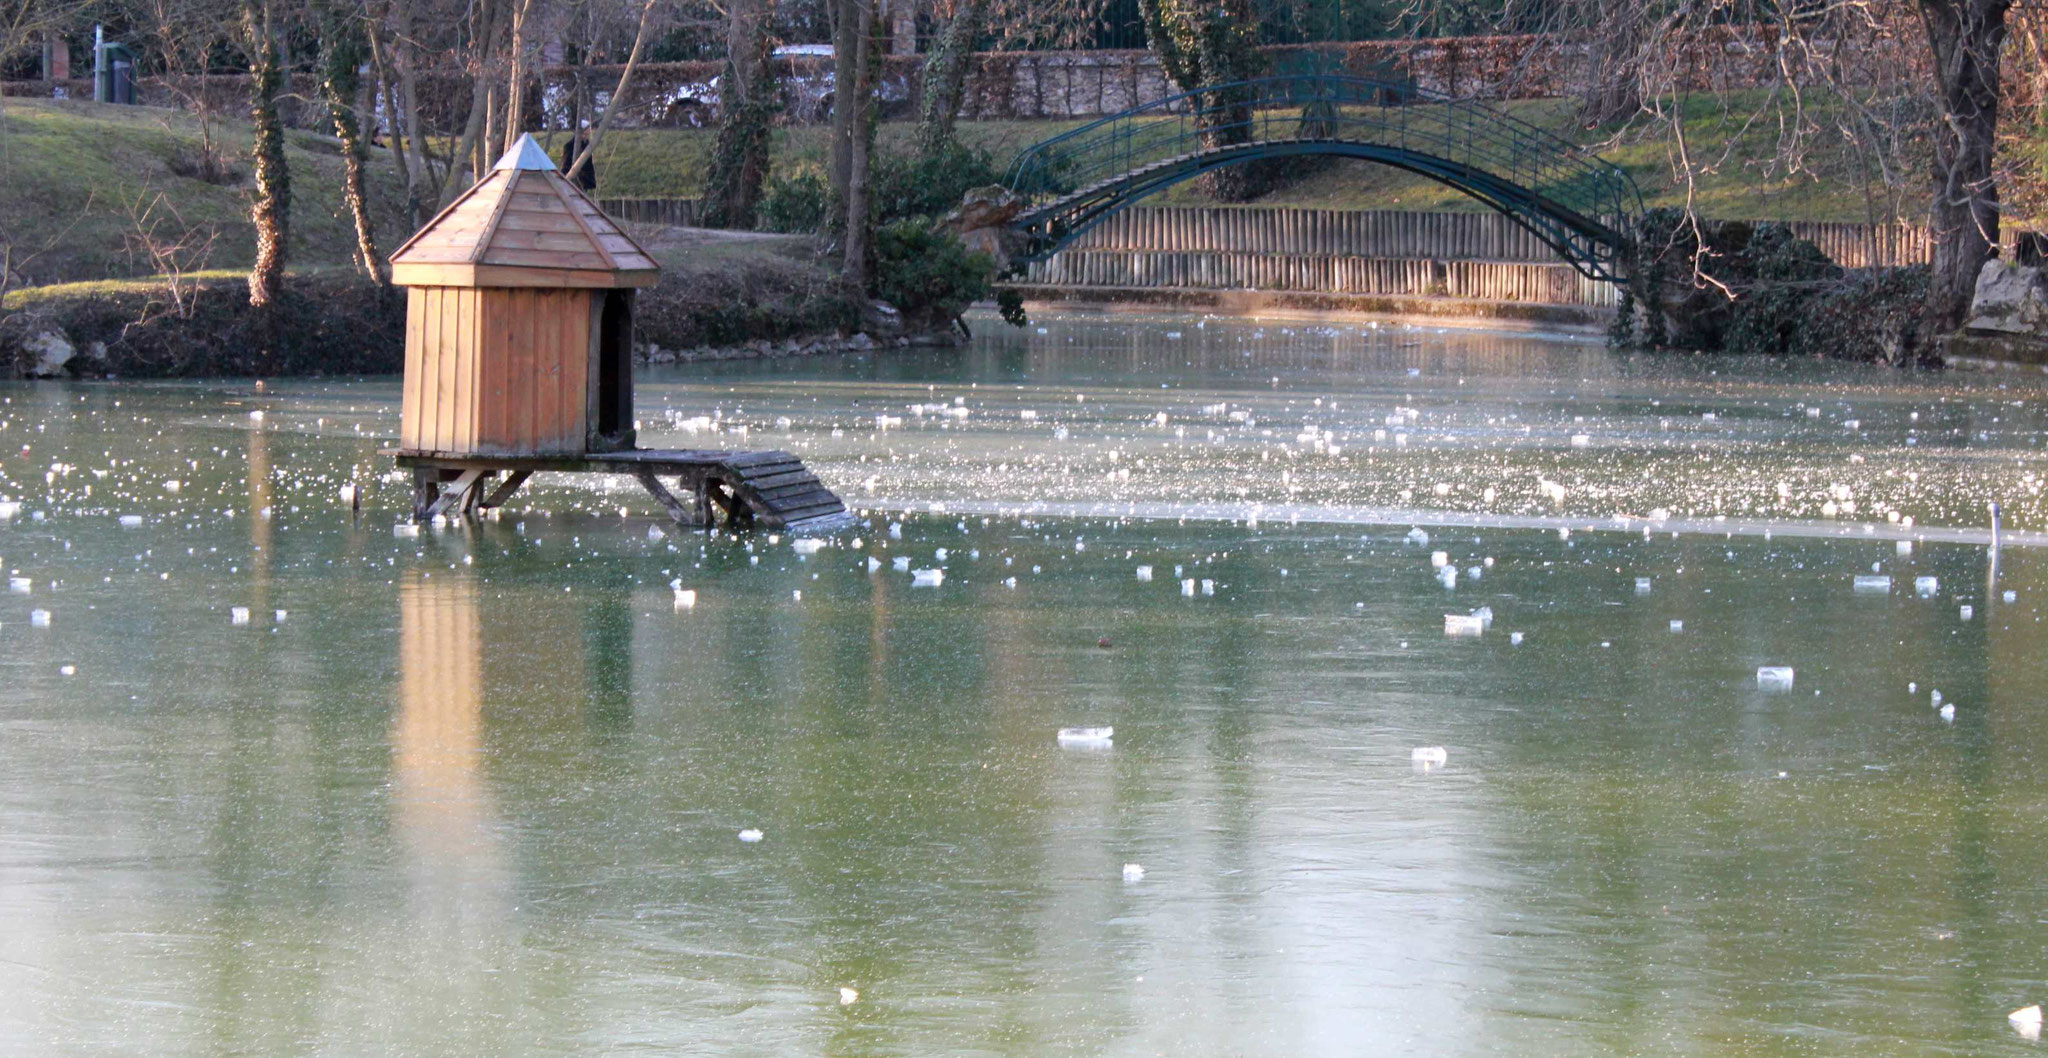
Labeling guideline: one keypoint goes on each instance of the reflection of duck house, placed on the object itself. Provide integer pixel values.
(519, 358)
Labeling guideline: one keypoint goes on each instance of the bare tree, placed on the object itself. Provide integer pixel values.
(1966, 37)
(344, 44)
(618, 96)
(270, 209)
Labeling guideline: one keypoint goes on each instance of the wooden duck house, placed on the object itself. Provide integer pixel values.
(519, 319)
(518, 358)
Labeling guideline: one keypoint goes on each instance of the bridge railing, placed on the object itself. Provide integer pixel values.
(1517, 166)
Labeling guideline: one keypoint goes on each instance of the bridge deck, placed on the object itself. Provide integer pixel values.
(768, 489)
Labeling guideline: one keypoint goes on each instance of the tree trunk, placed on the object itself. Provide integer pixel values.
(854, 270)
(1966, 36)
(846, 22)
(1206, 45)
(739, 159)
(271, 208)
(515, 86)
(343, 46)
(618, 91)
(945, 76)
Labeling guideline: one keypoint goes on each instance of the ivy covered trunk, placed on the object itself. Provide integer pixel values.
(1966, 36)
(271, 209)
(344, 47)
(1210, 44)
(945, 76)
(739, 159)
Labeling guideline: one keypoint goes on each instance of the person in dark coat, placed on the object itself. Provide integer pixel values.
(587, 179)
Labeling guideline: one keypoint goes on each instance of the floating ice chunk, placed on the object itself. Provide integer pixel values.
(874, 563)
(1208, 587)
(848, 997)
(1448, 575)
(654, 533)
(2010, 596)
(809, 545)
(901, 563)
(939, 555)
(1086, 736)
(1643, 585)
(1009, 582)
(1145, 573)
(1926, 587)
(8, 509)
(1028, 415)
(1474, 573)
(1778, 676)
(1580, 440)
(686, 598)
(927, 578)
(1874, 585)
(20, 585)
(895, 530)
(39, 618)
(1187, 587)
(1418, 537)
(750, 835)
(2026, 1021)
(238, 615)
(131, 521)
(1435, 756)
(1677, 625)
(1934, 696)
(405, 529)
(1947, 713)
(1462, 625)
(1134, 872)
(348, 495)
(173, 485)
(67, 670)
(1966, 612)
(279, 615)
(1514, 639)
(1439, 559)
(1904, 547)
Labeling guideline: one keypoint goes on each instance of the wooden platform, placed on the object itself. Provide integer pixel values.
(769, 490)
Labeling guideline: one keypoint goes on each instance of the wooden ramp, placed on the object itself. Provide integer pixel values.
(769, 490)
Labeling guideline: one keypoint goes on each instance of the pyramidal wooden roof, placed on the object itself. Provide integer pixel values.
(522, 225)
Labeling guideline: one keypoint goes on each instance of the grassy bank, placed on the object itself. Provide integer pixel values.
(77, 175)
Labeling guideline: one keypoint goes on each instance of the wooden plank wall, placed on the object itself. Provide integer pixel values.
(498, 371)
(536, 381)
(1437, 236)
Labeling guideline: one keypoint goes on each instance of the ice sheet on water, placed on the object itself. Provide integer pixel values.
(1869, 584)
(1463, 625)
(1434, 756)
(1774, 676)
(1086, 736)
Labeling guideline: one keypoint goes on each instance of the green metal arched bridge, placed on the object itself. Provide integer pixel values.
(1581, 206)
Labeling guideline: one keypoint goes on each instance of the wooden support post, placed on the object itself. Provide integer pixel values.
(504, 491)
(675, 507)
(457, 497)
(426, 492)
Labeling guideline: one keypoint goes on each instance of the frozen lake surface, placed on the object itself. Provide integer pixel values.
(1442, 669)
